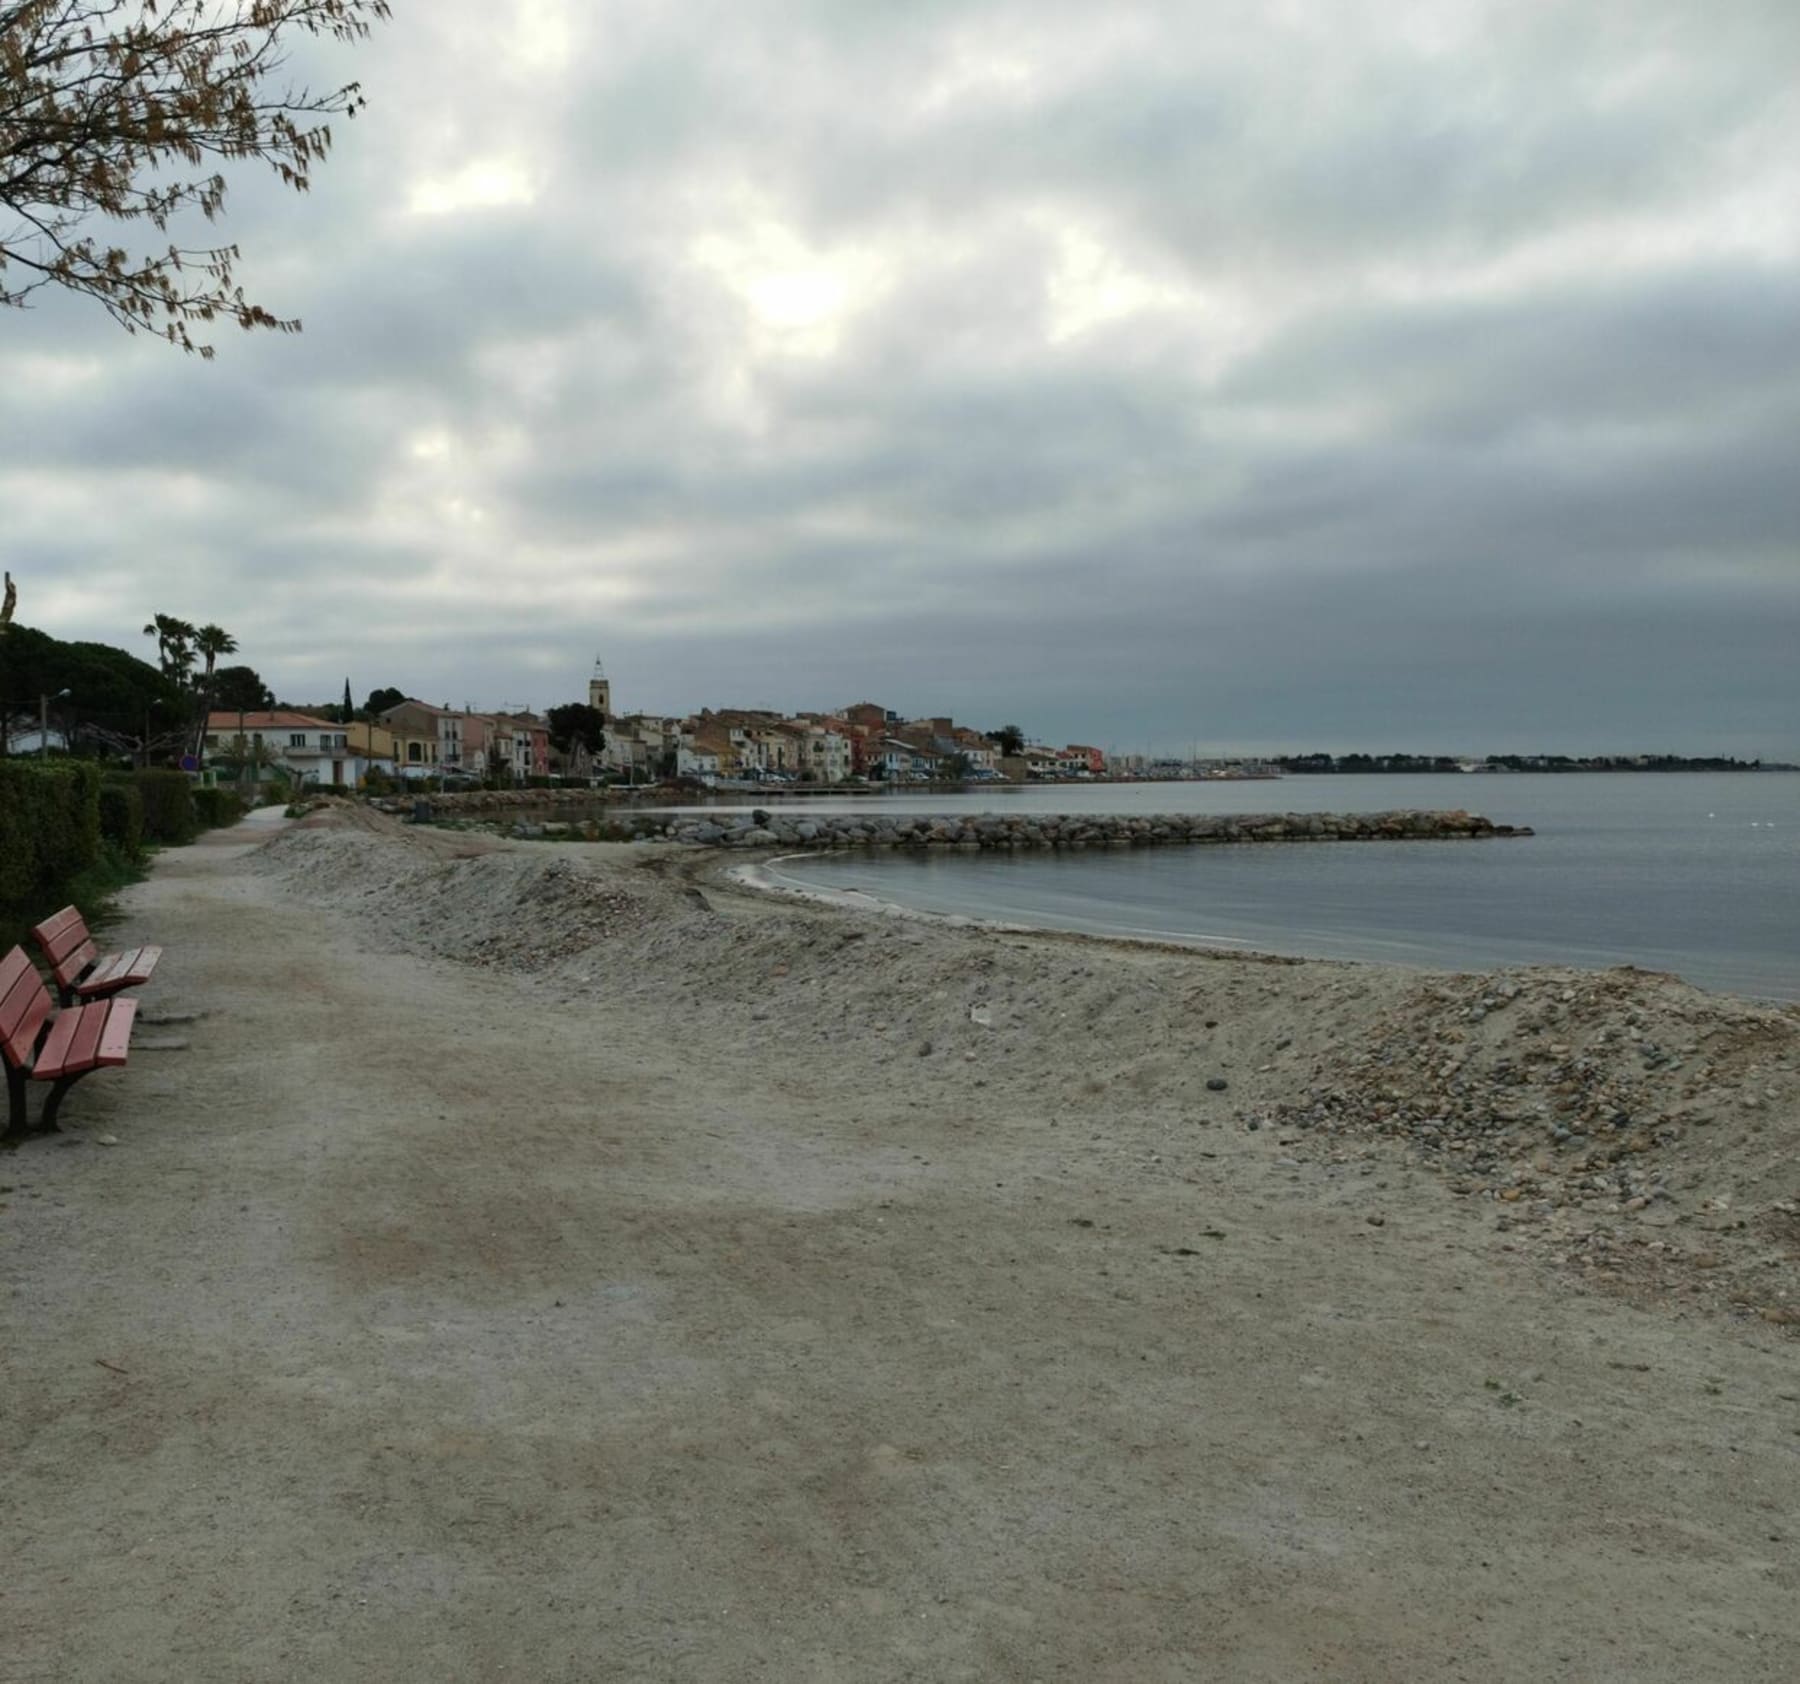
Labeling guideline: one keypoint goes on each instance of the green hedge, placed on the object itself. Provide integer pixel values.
(122, 818)
(168, 801)
(49, 827)
(216, 807)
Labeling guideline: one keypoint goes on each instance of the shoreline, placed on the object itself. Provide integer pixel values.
(752, 877)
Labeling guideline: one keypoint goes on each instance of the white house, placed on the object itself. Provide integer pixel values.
(691, 761)
(827, 754)
(304, 747)
(23, 739)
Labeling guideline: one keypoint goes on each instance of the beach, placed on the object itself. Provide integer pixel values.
(565, 1262)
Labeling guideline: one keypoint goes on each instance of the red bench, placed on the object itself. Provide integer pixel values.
(76, 966)
(41, 1044)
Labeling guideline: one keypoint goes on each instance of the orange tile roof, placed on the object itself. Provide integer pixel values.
(274, 721)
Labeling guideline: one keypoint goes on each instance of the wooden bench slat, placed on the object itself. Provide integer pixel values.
(69, 917)
(24, 1004)
(69, 947)
(66, 943)
(72, 965)
(59, 950)
(53, 1056)
(115, 1038)
(105, 970)
(89, 1022)
(14, 969)
(120, 970)
(58, 926)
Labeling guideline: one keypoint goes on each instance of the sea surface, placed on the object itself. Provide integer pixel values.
(1696, 873)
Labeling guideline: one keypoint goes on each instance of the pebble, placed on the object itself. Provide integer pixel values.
(1216, 1084)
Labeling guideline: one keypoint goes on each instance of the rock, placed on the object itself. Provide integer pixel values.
(1216, 1084)
(106, 1140)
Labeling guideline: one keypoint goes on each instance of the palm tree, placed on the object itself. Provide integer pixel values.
(211, 642)
(174, 645)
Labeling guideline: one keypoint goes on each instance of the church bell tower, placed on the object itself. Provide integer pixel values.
(600, 691)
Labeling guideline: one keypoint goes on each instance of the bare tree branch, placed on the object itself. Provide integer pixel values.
(114, 108)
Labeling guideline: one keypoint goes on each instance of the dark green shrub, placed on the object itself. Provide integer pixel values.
(122, 818)
(216, 807)
(168, 800)
(49, 827)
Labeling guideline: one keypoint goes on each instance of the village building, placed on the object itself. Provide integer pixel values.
(440, 741)
(298, 744)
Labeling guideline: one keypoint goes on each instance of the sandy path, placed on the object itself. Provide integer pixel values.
(427, 1325)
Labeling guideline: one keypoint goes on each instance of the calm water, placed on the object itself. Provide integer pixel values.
(1693, 873)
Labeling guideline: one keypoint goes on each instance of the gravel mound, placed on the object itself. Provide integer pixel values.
(1623, 1121)
(1620, 1124)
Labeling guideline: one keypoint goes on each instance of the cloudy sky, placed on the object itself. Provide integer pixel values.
(1285, 374)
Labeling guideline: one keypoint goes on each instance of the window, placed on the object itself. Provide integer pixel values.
(415, 753)
(296, 739)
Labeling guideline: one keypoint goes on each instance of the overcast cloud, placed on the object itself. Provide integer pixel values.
(1263, 375)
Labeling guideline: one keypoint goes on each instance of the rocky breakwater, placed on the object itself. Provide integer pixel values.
(1018, 831)
(453, 803)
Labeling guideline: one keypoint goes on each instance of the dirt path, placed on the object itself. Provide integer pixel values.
(430, 1322)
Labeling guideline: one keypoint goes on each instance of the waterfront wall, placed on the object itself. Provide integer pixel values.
(1020, 831)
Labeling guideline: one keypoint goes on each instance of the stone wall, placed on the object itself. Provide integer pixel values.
(789, 828)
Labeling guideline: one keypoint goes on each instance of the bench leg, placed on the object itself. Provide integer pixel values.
(15, 1103)
(47, 1117)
